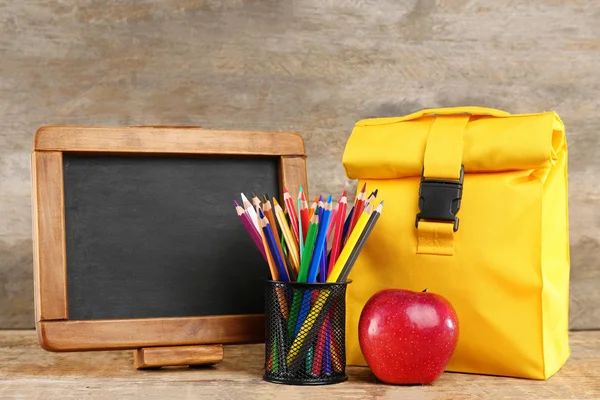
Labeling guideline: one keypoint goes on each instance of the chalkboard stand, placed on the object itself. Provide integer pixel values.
(171, 356)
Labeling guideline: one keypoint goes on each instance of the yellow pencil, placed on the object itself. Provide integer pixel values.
(350, 243)
(290, 241)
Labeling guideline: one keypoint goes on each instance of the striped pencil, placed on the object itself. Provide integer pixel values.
(250, 228)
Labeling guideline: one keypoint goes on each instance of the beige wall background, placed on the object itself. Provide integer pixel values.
(310, 66)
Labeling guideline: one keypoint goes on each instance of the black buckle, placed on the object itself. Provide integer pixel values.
(439, 199)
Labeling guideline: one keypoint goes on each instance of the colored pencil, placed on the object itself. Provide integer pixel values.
(250, 228)
(361, 242)
(288, 235)
(333, 219)
(327, 350)
(358, 205)
(268, 210)
(350, 243)
(320, 243)
(323, 253)
(308, 248)
(319, 350)
(255, 201)
(304, 215)
(270, 261)
(300, 231)
(278, 260)
(251, 211)
(313, 207)
(291, 212)
(337, 237)
(300, 301)
(347, 226)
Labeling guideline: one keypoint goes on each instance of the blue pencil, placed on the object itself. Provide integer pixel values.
(315, 262)
(281, 270)
(320, 243)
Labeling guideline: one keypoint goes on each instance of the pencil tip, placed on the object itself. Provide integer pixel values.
(364, 187)
(236, 203)
(300, 190)
(345, 193)
(260, 213)
(375, 192)
(329, 198)
(320, 198)
(285, 190)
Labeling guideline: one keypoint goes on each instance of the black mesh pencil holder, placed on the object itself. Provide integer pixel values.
(305, 333)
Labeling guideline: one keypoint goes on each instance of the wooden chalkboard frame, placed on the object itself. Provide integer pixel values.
(54, 329)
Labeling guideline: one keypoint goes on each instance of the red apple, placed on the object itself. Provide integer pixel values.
(407, 337)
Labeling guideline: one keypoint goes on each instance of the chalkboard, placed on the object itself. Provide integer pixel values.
(159, 237)
(136, 239)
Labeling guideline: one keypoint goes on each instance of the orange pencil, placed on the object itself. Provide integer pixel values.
(270, 261)
(290, 210)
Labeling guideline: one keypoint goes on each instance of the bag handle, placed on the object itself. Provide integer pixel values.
(468, 110)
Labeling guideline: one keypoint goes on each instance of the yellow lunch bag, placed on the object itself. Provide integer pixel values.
(475, 210)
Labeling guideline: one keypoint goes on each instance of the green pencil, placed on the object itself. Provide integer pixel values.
(309, 246)
(311, 237)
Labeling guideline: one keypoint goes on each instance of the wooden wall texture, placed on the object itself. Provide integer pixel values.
(311, 66)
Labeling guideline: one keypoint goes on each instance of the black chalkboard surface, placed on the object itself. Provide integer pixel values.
(137, 243)
(159, 236)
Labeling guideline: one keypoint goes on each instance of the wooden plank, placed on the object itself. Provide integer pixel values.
(169, 140)
(153, 357)
(294, 175)
(29, 372)
(137, 333)
(50, 263)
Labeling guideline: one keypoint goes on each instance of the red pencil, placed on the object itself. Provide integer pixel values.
(291, 212)
(333, 219)
(337, 236)
(359, 204)
(304, 214)
(250, 228)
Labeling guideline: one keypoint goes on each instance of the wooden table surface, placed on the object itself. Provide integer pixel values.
(28, 372)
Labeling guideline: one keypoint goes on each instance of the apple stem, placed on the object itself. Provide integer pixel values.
(424, 291)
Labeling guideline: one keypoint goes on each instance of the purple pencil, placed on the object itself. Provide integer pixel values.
(250, 228)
